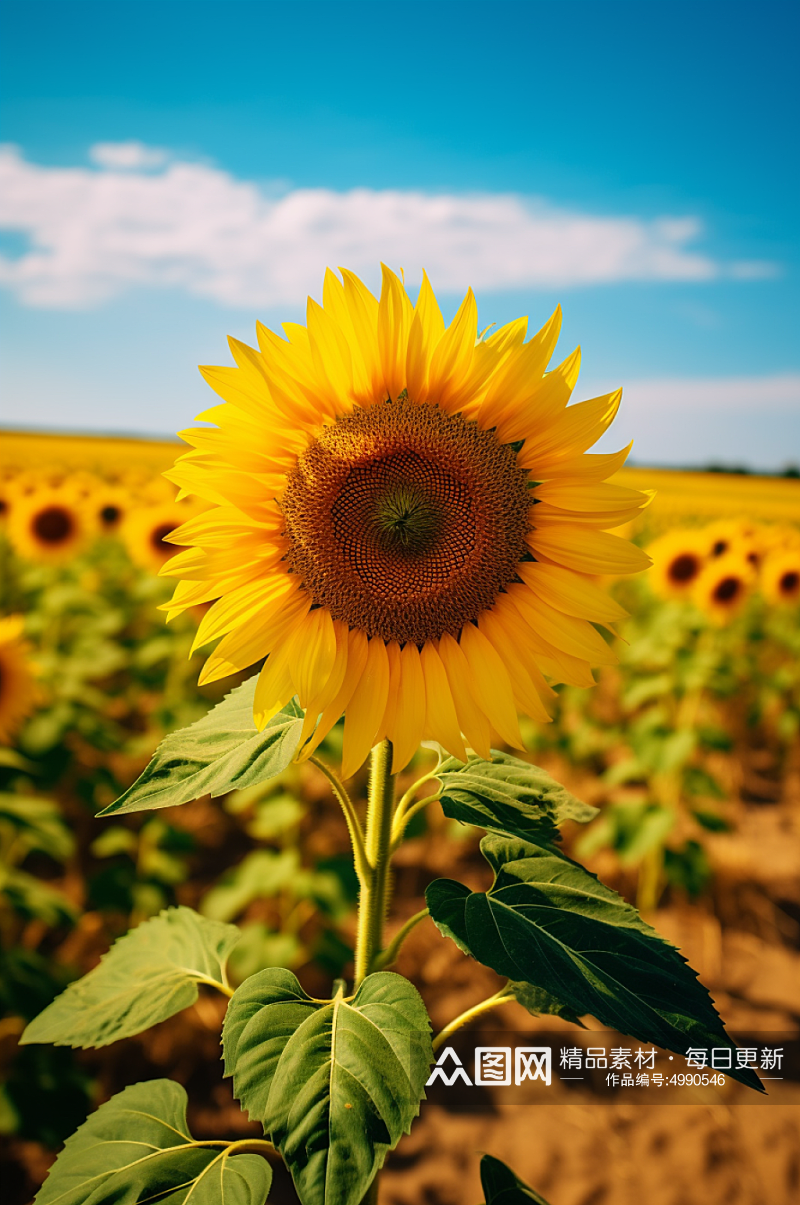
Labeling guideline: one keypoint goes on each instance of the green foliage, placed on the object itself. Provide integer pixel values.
(148, 975)
(540, 1002)
(501, 1187)
(137, 1147)
(509, 795)
(34, 825)
(549, 922)
(222, 752)
(335, 1083)
(631, 829)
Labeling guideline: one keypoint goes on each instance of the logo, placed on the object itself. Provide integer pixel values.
(493, 1065)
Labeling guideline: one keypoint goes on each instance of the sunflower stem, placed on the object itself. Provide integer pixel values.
(351, 816)
(374, 894)
(502, 997)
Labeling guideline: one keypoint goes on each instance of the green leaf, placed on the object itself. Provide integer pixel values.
(31, 897)
(222, 752)
(137, 1147)
(148, 975)
(541, 1003)
(501, 1187)
(37, 825)
(510, 796)
(548, 922)
(334, 1083)
(263, 873)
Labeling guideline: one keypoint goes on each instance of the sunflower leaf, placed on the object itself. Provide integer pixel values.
(222, 752)
(148, 975)
(510, 796)
(548, 922)
(501, 1187)
(137, 1147)
(336, 1083)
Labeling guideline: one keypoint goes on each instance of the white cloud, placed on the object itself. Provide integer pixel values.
(127, 156)
(93, 234)
(719, 395)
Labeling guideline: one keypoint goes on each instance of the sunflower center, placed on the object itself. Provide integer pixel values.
(789, 583)
(53, 525)
(684, 567)
(109, 515)
(404, 521)
(158, 537)
(727, 590)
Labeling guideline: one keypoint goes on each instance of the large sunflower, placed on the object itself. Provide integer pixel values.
(405, 522)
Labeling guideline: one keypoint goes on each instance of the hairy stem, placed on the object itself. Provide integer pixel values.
(375, 881)
(501, 997)
(386, 957)
(350, 815)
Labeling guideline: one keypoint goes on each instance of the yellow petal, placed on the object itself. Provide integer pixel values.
(315, 654)
(558, 665)
(547, 400)
(493, 692)
(254, 600)
(472, 721)
(394, 320)
(595, 467)
(363, 309)
(594, 552)
(386, 727)
(245, 645)
(410, 715)
(570, 592)
(356, 660)
(365, 710)
(427, 328)
(332, 360)
(525, 694)
(274, 687)
(335, 304)
(453, 355)
(330, 688)
(576, 429)
(522, 373)
(575, 636)
(441, 720)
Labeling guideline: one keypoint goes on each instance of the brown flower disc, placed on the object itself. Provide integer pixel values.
(404, 521)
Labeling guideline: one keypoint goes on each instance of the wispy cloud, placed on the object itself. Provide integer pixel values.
(716, 395)
(144, 219)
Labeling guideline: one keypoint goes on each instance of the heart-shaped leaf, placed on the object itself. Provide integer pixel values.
(334, 1083)
(137, 1147)
(222, 752)
(509, 796)
(149, 974)
(548, 922)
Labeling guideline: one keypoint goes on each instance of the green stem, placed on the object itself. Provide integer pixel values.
(501, 997)
(375, 881)
(389, 955)
(401, 820)
(351, 816)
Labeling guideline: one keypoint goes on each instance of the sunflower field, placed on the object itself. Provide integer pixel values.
(689, 746)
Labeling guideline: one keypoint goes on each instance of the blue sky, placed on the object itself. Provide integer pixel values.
(173, 170)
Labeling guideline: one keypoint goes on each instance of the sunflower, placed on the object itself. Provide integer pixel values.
(48, 525)
(145, 532)
(18, 690)
(110, 505)
(722, 537)
(678, 560)
(724, 586)
(405, 522)
(780, 577)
